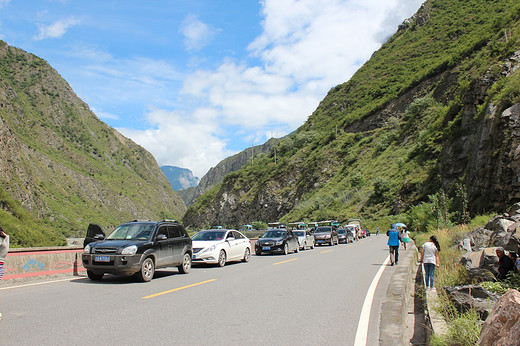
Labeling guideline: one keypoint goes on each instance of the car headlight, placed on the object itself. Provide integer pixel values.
(86, 249)
(209, 249)
(327, 236)
(279, 242)
(129, 250)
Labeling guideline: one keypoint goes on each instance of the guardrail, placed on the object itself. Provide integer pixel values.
(50, 261)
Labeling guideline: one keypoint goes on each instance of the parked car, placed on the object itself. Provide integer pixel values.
(345, 236)
(326, 235)
(137, 247)
(277, 241)
(218, 246)
(305, 239)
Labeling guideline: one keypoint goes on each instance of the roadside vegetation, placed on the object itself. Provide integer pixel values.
(463, 329)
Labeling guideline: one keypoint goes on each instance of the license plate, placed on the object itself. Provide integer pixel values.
(194, 256)
(266, 248)
(320, 241)
(102, 259)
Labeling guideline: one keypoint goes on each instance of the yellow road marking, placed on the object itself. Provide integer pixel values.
(277, 263)
(178, 289)
(326, 251)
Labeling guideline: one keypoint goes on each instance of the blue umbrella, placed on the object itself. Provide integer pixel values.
(399, 224)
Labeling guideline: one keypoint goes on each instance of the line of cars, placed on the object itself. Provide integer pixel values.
(140, 247)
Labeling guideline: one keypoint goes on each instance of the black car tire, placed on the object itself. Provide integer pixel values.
(94, 276)
(147, 270)
(222, 258)
(185, 266)
(285, 249)
(247, 255)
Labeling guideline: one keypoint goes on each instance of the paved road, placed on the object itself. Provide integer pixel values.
(312, 297)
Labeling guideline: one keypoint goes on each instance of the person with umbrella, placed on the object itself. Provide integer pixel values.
(393, 244)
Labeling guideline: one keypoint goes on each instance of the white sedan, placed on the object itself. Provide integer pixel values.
(218, 246)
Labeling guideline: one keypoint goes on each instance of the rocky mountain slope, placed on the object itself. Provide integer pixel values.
(180, 178)
(434, 110)
(229, 165)
(61, 167)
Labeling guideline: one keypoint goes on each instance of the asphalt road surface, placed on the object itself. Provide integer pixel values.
(306, 298)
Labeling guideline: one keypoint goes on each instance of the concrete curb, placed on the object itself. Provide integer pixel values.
(394, 309)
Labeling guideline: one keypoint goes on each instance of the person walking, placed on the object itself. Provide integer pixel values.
(4, 248)
(406, 238)
(377, 230)
(393, 245)
(430, 259)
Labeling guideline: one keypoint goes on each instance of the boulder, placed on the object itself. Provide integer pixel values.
(480, 237)
(477, 275)
(501, 233)
(514, 209)
(489, 260)
(502, 327)
(469, 297)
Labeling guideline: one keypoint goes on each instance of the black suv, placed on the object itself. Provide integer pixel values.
(137, 247)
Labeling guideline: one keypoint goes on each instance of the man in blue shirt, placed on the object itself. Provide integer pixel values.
(393, 244)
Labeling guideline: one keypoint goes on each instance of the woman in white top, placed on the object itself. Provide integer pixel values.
(430, 259)
(405, 237)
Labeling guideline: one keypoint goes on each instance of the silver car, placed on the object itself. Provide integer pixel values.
(305, 239)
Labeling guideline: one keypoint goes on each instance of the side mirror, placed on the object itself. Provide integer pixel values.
(230, 239)
(162, 237)
(99, 236)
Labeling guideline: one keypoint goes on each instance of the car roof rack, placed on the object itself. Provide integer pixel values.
(169, 220)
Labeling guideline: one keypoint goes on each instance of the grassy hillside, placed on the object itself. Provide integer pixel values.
(61, 167)
(404, 128)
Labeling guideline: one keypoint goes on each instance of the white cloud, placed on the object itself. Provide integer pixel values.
(196, 33)
(188, 142)
(56, 29)
(306, 48)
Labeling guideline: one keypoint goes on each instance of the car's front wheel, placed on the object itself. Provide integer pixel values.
(147, 270)
(185, 266)
(94, 276)
(222, 258)
(247, 255)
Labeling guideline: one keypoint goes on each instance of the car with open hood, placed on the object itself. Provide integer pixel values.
(137, 248)
(219, 246)
(279, 240)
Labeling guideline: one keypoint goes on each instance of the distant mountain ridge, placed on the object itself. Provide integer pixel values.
(231, 164)
(180, 178)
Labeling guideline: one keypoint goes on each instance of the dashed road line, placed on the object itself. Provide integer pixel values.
(178, 289)
(292, 259)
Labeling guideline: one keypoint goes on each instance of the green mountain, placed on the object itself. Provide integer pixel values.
(62, 168)
(434, 112)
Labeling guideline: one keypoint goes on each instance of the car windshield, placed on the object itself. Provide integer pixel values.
(138, 231)
(273, 234)
(322, 230)
(299, 233)
(342, 231)
(209, 235)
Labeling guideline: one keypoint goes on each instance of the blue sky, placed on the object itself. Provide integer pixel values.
(194, 81)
